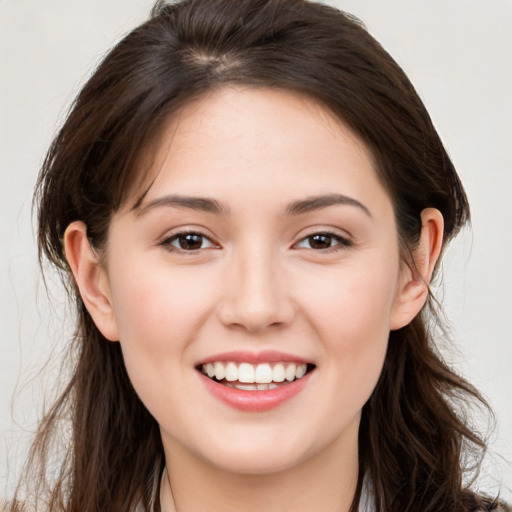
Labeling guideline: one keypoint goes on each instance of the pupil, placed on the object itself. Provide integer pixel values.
(190, 242)
(320, 241)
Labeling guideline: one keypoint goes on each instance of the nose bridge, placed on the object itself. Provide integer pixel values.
(255, 293)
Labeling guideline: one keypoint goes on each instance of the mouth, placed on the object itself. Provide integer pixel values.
(245, 376)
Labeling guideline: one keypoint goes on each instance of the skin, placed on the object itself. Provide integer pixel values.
(256, 283)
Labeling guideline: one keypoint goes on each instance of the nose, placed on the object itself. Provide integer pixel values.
(256, 296)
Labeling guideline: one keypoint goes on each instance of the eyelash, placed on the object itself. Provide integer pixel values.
(340, 242)
(168, 242)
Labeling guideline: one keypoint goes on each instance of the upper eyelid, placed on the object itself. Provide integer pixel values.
(174, 236)
(342, 240)
(181, 231)
(334, 232)
(175, 232)
(167, 241)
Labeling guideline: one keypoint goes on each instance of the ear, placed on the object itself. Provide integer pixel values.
(91, 278)
(415, 277)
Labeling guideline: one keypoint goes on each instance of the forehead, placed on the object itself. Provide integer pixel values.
(262, 138)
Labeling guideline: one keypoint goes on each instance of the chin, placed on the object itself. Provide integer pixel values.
(268, 451)
(257, 462)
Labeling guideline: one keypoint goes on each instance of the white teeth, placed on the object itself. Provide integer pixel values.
(278, 373)
(290, 372)
(210, 370)
(246, 387)
(231, 372)
(220, 372)
(301, 371)
(262, 376)
(246, 373)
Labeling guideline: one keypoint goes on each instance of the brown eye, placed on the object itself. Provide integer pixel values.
(187, 242)
(323, 241)
(320, 241)
(190, 242)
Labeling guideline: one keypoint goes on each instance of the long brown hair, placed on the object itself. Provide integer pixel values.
(413, 438)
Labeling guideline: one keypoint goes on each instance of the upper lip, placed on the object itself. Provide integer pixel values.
(265, 356)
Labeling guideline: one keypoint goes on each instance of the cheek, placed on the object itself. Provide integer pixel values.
(158, 308)
(352, 305)
(351, 313)
(159, 314)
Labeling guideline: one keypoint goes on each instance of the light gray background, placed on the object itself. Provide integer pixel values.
(458, 53)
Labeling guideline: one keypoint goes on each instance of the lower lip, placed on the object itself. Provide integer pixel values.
(255, 401)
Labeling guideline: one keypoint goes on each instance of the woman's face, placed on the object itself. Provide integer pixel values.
(265, 246)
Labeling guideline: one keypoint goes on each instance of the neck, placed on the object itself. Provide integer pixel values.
(324, 482)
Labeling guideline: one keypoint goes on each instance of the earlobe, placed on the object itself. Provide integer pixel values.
(91, 279)
(416, 276)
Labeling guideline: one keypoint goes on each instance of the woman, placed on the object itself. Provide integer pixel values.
(249, 201)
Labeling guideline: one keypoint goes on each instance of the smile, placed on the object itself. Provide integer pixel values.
(255, 381)
(254, 377)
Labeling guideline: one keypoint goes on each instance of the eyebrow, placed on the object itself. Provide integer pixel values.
(202, 204)
(213, 206)
(318, 202)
